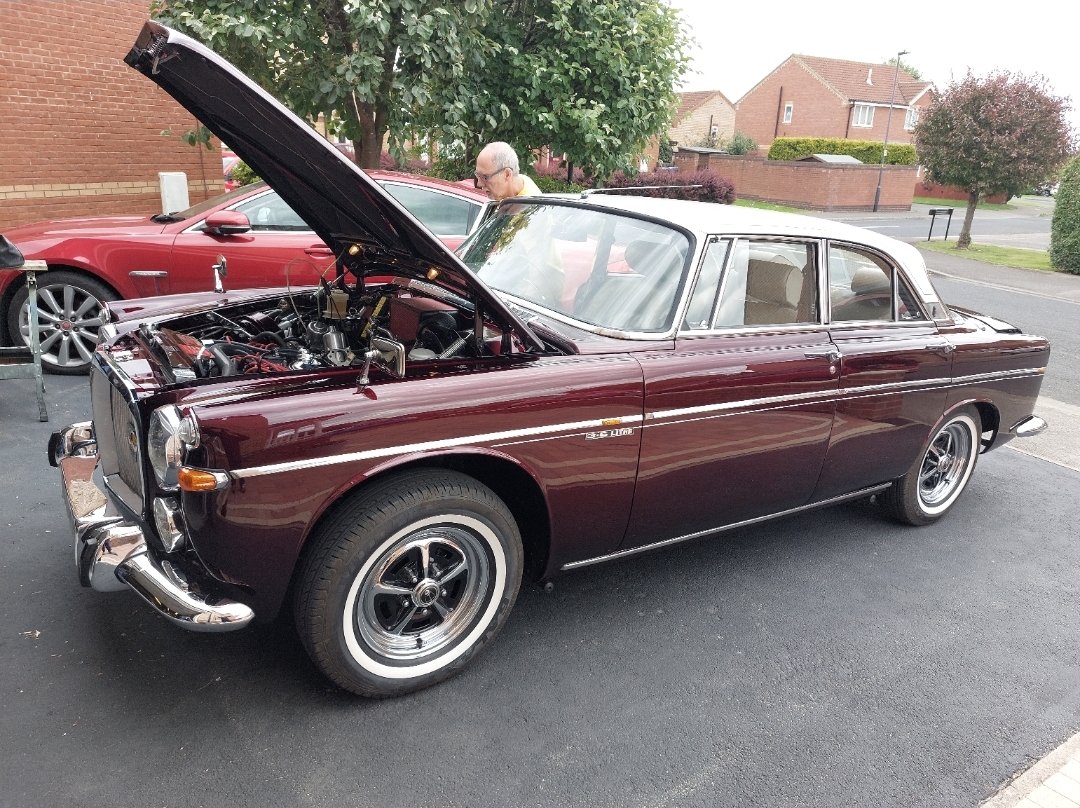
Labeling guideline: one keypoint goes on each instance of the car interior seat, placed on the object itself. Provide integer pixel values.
(639, 300)
(773, 291)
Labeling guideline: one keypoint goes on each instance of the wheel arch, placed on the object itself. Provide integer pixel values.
(989, 417)
(515, 486)
(16, 284)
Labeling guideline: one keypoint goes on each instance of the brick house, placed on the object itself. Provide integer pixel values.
(82, 133)
(811, 96)
(700, 116)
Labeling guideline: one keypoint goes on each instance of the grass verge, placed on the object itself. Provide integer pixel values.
(992, 254)
(751, 203)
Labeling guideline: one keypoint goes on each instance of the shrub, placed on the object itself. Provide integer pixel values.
(699, 186)
(554, 174)
(1065, 226)
(742, 144)
(869, 151)
(550, 184)
(451, 168)
(243, 175)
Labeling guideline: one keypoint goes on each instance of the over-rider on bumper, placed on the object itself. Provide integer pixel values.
(112, 552)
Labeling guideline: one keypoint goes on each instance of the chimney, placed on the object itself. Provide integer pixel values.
(870, 76)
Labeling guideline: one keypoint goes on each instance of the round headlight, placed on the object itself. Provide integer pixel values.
(164, 446)
(188, 431)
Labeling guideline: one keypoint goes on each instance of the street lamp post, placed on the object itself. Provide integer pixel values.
(888, 123)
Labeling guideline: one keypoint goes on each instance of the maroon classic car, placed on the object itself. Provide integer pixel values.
(95, 259)
(591, 378)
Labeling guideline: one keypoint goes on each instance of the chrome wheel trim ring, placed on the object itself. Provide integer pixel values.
(947, 465)
(68, 322)
(375, 649)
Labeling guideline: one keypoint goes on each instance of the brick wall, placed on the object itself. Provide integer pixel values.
(81, 134)
(817, 111)
(808, 185)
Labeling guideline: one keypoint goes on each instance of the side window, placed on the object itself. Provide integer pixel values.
(442, 214)
(770, 283)
(864, 287)
(269, 212)
(702, 302)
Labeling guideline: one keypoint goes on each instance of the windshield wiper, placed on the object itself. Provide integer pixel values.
(166, 218)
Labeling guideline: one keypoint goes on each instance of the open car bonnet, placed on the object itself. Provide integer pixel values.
(369, 232)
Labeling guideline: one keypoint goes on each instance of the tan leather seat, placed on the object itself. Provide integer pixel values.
(773, 290)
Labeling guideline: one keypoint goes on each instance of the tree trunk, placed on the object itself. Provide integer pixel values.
(963, 241)
(369, 149)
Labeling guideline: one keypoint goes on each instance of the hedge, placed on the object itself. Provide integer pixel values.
(869, 151)
(708, 185)
(1065, 226)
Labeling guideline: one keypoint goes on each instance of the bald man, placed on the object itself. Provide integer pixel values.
(498, 173)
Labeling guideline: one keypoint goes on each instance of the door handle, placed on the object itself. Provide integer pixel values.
(322, 252)
(832, 354)
(942, 350)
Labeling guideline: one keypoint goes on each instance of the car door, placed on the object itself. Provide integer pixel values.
(738, 415)
(279, 250)
(894, 371)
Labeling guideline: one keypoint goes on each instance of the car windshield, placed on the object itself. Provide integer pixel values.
(207, 204)
(602, 268)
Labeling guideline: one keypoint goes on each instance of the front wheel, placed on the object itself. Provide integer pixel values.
(940, 473)
(70, 313)
(405, 583)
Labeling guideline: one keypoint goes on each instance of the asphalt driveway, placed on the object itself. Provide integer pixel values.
(830, 659)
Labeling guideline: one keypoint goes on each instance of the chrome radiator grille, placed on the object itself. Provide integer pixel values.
(118, 437)
(126, 437)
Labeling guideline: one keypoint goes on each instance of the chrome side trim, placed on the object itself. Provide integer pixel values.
(689, 536)
(840, 394)
(428, 446)
(648, 420)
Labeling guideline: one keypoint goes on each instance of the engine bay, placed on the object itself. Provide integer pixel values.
(331, 326)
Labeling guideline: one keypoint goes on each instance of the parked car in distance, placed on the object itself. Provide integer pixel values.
(96, 259)
(587, 379)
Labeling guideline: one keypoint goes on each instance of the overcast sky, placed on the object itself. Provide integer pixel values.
(740, 43)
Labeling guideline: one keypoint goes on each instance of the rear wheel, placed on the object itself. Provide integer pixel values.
(70, 312)
(940, 473)
(407, 582)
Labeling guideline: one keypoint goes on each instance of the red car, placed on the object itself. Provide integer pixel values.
(97, 259)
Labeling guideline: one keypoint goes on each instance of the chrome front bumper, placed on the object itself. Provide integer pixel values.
(111, 553)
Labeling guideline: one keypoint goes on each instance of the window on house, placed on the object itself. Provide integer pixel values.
(863, 115)
(788, 109)
(911, 119)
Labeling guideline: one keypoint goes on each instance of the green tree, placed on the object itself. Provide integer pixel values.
(1065, 228)
(366, 63)
(594, 80)
(993, 135)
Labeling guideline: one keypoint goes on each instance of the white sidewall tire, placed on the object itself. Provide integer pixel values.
(972, 457)
(358, 650)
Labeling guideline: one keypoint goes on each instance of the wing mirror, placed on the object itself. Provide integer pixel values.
(227, 223)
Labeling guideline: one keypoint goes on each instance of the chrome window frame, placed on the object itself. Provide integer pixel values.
(897, 274)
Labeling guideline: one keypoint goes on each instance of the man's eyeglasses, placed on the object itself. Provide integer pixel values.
(485, 177)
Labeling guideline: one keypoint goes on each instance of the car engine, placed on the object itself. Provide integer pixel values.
(329, 327)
